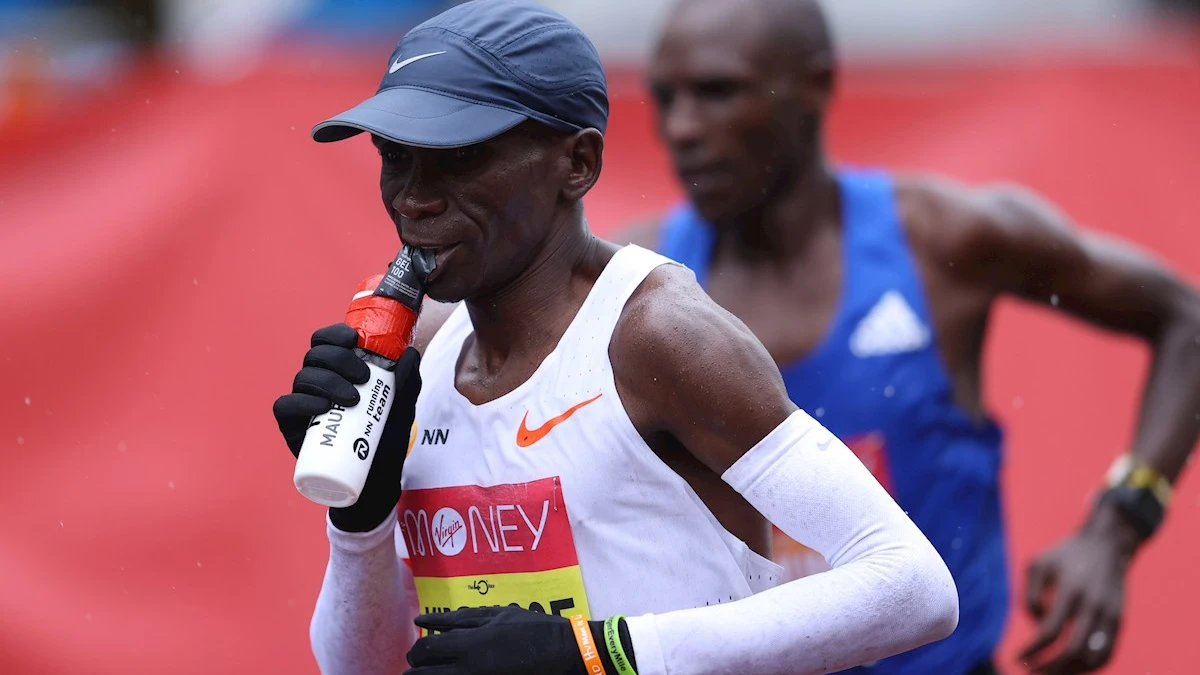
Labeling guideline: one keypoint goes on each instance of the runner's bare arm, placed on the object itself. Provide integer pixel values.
(1014, 242)
(1011, 241)
(685, 366)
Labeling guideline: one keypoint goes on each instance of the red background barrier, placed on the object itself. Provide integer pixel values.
(166, 249)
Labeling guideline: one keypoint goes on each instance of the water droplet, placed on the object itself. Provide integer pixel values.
(20, 440)
(1018, 402)
(889, 391)
(28, 401)
(1054, 299)
(819, 412)
(292, 127)
(199, 564)
(121, 447)
(171, 484)
(195, 282)
(176, 71)
(60, 524)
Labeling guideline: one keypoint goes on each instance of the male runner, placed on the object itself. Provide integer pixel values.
(872, 292)
(594, 438)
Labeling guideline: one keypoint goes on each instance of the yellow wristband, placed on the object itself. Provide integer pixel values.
(1130, 471)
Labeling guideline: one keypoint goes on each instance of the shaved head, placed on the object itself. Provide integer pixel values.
(741, 88)
(791, 37)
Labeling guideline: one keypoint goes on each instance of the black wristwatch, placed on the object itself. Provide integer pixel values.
(1139, 492)
(1139, 506)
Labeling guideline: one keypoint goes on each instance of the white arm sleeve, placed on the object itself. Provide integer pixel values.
(889, 591)
(363, 621)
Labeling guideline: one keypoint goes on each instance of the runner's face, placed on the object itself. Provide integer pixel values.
(727, 119)
(484, 209)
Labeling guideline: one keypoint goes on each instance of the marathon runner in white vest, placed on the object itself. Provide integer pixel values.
(597, 450)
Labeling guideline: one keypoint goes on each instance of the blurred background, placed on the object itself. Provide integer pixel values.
(170, 236)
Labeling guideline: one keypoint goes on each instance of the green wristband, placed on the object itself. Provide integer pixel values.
(616, 650)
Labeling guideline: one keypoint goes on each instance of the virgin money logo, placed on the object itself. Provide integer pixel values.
(448, 531)
(475, 531)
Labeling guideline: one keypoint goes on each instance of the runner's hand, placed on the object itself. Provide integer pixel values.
(504, 640)
(1084, 580)
(329, 373)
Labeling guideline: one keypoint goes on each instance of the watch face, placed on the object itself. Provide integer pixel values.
(1140, 505)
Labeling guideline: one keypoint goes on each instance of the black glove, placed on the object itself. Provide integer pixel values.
(507, 641)
(330, 371)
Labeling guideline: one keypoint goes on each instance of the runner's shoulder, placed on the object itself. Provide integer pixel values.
(680, 360)
(669, 324)
(953, 223)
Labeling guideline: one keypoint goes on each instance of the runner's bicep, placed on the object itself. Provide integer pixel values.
(704, 377)
(735, 397)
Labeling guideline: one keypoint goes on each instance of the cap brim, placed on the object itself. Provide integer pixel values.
(419, 117)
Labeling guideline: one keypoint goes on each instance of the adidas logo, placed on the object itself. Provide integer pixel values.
(891, 327)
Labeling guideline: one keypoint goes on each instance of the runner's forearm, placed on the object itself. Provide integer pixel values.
(363, 621)
(1168, 425)
(1166, 431)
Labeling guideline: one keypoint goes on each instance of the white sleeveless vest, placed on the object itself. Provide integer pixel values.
(547, 497)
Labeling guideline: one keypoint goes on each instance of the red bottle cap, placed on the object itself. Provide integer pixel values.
(384, 326)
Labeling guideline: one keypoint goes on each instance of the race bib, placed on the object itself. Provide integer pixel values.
(472, 546)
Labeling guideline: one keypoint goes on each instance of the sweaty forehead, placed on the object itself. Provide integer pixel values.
(713, 38)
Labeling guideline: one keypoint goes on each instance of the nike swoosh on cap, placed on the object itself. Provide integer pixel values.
(398, 64)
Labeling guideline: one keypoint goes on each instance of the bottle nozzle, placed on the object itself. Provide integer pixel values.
(405, 278)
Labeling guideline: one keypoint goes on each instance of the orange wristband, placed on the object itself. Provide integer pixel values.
(587, 648)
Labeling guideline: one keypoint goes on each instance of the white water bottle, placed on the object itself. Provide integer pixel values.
(339, 446)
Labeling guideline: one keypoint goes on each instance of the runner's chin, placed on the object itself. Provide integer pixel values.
(712, 193)
(445, 283)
